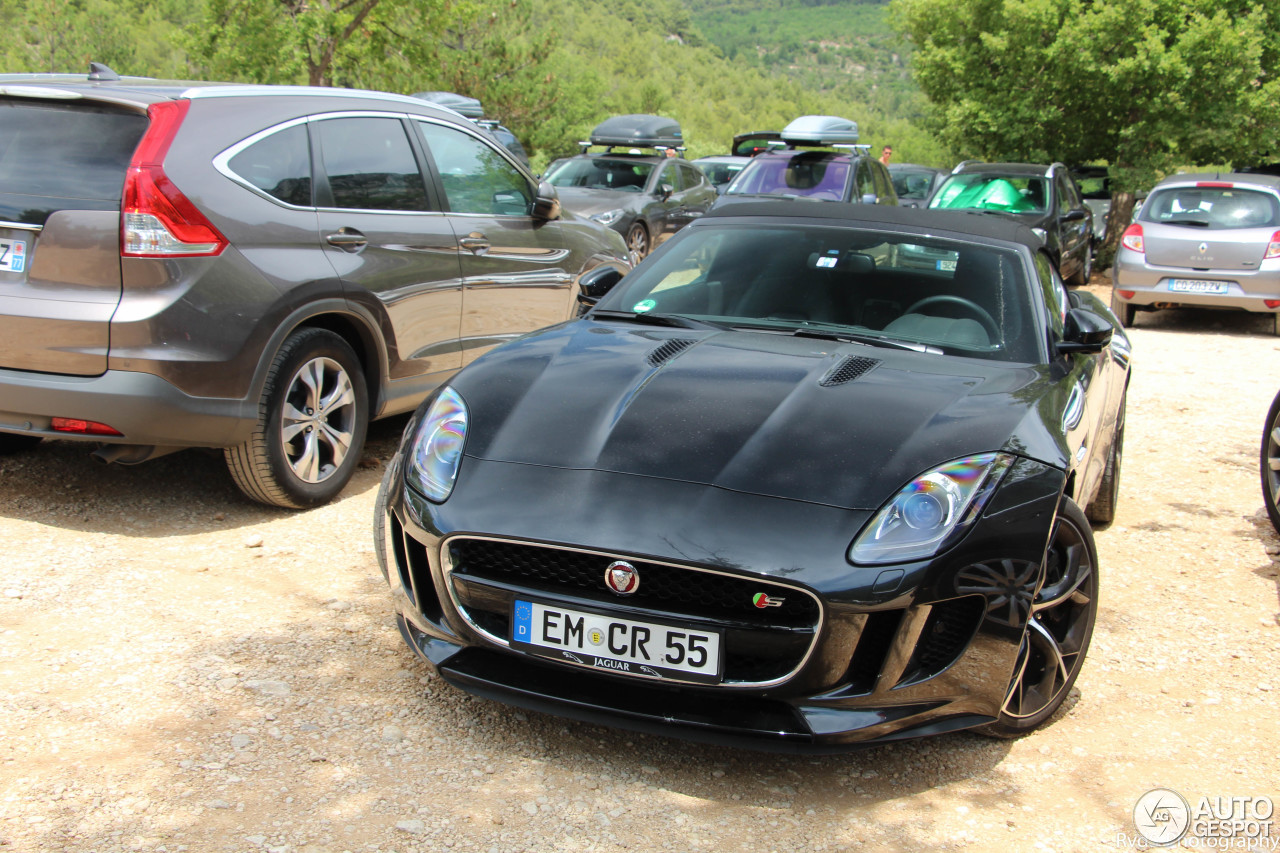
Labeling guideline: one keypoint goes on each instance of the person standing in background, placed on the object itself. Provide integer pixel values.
(885, 154)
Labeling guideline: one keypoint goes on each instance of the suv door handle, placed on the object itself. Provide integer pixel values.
(347, 239)
(475, 242)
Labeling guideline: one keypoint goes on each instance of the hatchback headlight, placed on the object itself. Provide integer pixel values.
(932, 511)
(609, 217)
(436, 450)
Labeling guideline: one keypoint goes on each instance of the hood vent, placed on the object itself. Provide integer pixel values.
(668, 351)
(848, 369)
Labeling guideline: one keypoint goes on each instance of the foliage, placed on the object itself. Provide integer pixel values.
(131, 36)
(1143, 85)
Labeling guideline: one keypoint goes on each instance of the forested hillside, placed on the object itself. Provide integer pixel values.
(550, 69)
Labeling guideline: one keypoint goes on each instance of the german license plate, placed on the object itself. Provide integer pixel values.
(623, 646)
(1195, 285)
(13, 255)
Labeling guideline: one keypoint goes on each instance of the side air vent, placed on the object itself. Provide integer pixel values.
(668, 351)
(848, 369)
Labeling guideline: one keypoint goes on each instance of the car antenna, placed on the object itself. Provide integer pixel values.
(98, 71)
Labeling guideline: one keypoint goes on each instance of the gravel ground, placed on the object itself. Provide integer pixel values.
(183, 670)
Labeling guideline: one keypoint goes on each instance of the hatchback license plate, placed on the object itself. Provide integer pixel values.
(624, 646)
(13, 255)
(1185, 285)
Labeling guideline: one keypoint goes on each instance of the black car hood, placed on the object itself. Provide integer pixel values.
(749, 411)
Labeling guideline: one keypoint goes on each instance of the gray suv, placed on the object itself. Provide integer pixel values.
(259, 269)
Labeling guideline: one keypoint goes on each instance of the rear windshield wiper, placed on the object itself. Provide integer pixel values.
(1198, 223)
(655, 319)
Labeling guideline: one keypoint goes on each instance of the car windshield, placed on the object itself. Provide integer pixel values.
(600, 173)
(912, 184)
(1215, 208)
(1011, 193)
(811, 174)
(931, 293)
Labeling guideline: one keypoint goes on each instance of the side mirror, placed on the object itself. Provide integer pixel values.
(596, 282)
(665, 191)
(1085, 331)
(870, 198)
(546, 206)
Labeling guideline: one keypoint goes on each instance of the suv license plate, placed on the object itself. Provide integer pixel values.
(623, 646)
(13, 255)
(1185, 285)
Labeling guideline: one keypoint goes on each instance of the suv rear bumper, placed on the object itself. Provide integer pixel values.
(144, 408)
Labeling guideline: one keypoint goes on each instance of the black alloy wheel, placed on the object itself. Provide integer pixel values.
(1270, 463)
(1058, 631)
(312, 421)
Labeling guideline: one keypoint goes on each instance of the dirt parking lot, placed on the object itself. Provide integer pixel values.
(183, 670)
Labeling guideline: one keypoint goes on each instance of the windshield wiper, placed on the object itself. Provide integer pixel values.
(1198, 223)
(656, 319)
(873, 340)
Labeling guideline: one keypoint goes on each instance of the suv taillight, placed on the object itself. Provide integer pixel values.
(1132, 238)
(157, 220)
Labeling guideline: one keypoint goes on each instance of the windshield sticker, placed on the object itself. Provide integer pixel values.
(644, 305)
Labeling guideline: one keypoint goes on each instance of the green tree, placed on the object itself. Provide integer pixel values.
(1145, 86)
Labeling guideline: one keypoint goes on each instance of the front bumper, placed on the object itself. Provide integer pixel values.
(145, 408)
(892, 651)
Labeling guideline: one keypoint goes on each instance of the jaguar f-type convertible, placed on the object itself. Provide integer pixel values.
(784, 485)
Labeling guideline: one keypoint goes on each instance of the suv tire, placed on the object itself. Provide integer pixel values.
(312, 421)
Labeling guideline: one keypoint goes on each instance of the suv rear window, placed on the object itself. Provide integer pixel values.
(55, 157)
(1213, 208)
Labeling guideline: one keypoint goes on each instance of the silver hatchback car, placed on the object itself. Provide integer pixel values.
(1205, 241)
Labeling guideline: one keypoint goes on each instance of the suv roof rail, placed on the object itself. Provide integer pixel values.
(1048, 173)
(964, 163)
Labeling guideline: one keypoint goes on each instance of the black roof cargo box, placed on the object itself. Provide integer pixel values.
(461, 104)
(645, 131)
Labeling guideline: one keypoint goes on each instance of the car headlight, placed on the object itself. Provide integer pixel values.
(609, 217)
(932, 511)
(436, 450)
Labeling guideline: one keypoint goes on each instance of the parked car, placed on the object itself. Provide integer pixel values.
(261, 269)
(1045, 198)
(1205, 240)
(774, 490)
(472, 108)
(645, 197)
(721, 169)
(1270, 463)
(819, 160)
(1095, 189)
(914, 183)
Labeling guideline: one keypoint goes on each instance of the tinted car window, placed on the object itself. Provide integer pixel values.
(691, 177)
(370, 164)
(61, 153)
(912, 185)
(600, 173)
(279, 165)
(476, 178)
(720, 173)
(1212, 207)
(865, 184)
(812, 174)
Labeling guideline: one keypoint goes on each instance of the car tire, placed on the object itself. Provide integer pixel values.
(1058, 629)
(1102, 509)
(1126, 312)
(1081, 276)
(1270, 463)
(10, 443)
(638, 239)
(305, 459)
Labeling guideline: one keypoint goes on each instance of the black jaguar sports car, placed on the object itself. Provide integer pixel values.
(775, 487)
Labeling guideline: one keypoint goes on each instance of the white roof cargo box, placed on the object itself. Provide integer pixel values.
(820, 130)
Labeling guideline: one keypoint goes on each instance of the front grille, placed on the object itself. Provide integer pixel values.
(760, 644)
(662, 587)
